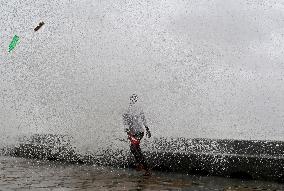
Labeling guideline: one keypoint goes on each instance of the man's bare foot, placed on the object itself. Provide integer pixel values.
(140, 167)
(147, 173)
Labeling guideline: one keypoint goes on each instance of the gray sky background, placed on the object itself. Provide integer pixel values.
(202, 68)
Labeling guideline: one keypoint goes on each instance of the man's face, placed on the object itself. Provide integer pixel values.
(133, 99)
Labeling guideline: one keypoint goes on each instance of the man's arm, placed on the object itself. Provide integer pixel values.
(148, 133)
(126, 122)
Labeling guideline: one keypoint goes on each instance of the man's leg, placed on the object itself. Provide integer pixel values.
(135, 152)
(138, 155)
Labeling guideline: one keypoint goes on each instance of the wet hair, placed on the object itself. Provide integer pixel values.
(133, 98)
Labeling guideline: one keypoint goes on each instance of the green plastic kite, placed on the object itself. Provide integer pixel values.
(13, 43)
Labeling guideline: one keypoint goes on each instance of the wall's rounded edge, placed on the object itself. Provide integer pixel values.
(227, 158)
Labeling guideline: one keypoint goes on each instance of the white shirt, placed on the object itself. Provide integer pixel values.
(135, 119)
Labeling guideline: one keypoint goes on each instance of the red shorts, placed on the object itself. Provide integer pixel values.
(135, 138)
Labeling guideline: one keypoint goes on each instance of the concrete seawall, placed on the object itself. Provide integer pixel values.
(230, 158)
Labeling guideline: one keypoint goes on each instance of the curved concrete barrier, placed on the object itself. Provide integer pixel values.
(229, 158)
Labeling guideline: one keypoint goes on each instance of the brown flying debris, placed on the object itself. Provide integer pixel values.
(39, 26)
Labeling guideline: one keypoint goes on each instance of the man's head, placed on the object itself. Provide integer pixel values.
(133, 98)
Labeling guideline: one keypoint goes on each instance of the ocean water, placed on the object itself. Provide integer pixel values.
(26, 174)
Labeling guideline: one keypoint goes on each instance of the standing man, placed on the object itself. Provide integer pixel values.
(134, 120)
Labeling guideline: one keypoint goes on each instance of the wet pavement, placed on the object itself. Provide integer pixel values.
(26, 174)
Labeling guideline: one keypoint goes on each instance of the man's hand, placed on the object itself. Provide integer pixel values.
(126, 130)
(148, 133)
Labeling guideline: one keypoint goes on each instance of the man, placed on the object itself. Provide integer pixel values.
(134, 120)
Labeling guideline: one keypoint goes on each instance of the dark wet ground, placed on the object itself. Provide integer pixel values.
(26, 174)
